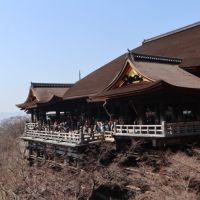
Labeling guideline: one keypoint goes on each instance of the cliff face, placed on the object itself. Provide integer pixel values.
(137, 172)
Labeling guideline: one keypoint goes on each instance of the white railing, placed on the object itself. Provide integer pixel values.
(164, 130)
(56, 136)
(77, 136)
(140, 130)
(31, 126)
(108, 136)
(182, 129)
(151, 131)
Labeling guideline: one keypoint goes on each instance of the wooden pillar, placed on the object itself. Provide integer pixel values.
(157, 111)
(44, 119)
(161, 112)
(32, 116)
(141, 114)
(38, 151)
(57, 114)
(37, 155)
(30, 153)
(66, 160)
(179, 113)
(45, 152)
(30, 150)
(37, 115)
(197, 112)
(54, 155)
(173, 114)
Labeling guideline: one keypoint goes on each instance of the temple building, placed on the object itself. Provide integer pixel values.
(151, 92)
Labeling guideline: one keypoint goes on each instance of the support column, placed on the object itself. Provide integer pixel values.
(32, 116)
(37, 115)
(141, 114)
(30, 150)
(38, 151)
(57, 114)
(157, 116)
(179, 113)
(45, 152)
(54, 155)
(66, 160)
(44, 119)
(30, 153)
(161, 112)
(197, 112)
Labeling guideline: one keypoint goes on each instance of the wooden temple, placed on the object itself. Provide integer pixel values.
(151, 92)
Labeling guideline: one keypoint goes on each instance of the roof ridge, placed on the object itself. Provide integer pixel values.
(172, 32)
(62, 85)
(152, 58)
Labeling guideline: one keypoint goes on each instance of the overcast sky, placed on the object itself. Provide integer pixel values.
(51, 40)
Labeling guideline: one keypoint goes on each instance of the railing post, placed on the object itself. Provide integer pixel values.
(163, 128)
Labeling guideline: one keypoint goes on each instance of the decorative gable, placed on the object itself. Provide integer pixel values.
(129, 76)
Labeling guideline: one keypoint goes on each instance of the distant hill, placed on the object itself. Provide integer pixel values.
(7, 115)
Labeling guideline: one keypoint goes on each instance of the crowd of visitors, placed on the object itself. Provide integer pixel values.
(74, 123)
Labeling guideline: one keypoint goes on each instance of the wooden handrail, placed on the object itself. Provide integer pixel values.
(77, 136)
(140, 130)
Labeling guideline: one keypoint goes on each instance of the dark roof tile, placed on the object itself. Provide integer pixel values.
(97, 80)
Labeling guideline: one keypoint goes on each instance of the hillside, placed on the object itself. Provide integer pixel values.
(7, 115)
(139, 172)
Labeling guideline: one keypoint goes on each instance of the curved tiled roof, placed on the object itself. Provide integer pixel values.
(169, 73)
(40, 93)
(183, 43)
(159, 71)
